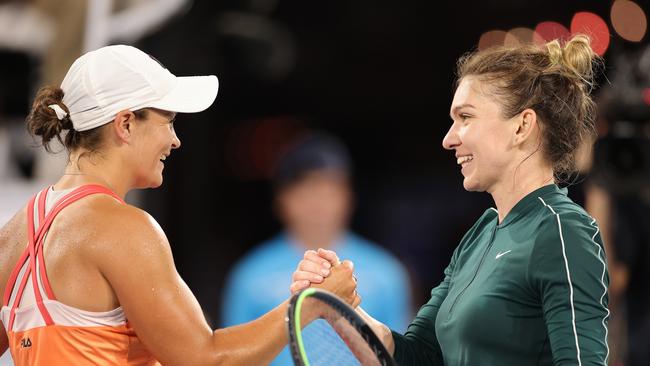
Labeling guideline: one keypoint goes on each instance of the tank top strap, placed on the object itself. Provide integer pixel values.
(68, 199)
(9, 289)
(33, 252)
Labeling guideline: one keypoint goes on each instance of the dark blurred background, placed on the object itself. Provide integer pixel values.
(378, 74)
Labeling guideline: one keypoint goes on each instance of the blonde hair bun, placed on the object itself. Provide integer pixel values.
(576, 56)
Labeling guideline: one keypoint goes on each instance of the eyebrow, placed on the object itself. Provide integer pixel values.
(455, 110)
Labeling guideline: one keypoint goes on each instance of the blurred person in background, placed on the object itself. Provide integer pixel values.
(527, 284)
(314, 201)
(619, 198)
(89, 279)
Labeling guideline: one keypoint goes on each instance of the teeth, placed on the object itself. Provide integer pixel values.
(464, 159)
(163, 157)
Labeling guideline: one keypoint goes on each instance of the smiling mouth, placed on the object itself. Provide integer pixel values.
(464, 160)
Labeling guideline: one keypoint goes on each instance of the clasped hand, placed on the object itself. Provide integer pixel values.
(323, 269)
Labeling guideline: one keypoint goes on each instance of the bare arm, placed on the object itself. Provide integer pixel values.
(4, 341)
(13, 239)
(381, 330)
(165, 314)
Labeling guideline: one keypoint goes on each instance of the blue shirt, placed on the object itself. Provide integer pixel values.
(260, 281)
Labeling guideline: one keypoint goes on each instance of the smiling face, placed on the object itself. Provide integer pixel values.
(480, 136)
(154, 139)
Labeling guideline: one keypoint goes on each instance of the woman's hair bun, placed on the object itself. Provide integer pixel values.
(43, 120)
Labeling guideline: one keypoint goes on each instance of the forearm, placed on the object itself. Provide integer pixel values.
(381, 330)
(409, 350)
(419, 345)
(254, 343)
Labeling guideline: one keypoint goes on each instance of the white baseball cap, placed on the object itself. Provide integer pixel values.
(111, 79)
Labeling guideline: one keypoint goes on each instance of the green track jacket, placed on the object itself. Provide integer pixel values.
(529, 291)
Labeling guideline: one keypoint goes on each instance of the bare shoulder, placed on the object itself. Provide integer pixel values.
(133, 254)
(126, 221)
(121, 232)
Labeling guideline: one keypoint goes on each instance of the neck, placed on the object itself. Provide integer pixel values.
(524, 180)
(94, 169)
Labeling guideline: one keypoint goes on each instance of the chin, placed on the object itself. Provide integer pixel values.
(156, 183)
(150, 182)
(471, 186)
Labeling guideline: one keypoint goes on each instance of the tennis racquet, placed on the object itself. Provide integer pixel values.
(338, 336)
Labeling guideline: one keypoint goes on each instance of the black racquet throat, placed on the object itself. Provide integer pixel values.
(338, 336)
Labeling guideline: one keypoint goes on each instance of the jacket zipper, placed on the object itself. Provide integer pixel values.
(489, 246)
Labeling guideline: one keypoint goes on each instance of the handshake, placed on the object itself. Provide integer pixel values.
(323, 269)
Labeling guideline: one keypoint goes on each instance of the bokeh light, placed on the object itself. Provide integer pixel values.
(593, 26)
(646, 95)
(252, 147)
(548, 31)
(628, 20)
(491, 38)
(517, 36)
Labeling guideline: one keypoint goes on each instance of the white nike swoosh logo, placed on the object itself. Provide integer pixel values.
(499, 255)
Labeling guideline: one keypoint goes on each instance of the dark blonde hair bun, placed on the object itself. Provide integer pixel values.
(576, 57)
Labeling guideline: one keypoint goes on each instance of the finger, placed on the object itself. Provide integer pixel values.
(313, 256)
(298, 285)
(315, 268)
(330, 255)
(306, 276)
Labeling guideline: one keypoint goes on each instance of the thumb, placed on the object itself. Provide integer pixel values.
(348, 264)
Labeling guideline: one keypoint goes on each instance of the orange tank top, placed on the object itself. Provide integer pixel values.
(44, 331)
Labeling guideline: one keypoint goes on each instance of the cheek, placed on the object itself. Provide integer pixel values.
(487, 140)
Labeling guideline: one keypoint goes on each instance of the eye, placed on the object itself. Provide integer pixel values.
(464, 116)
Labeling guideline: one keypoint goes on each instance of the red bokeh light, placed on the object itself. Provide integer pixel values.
(646, 95)
(548, 31)
(593, 26)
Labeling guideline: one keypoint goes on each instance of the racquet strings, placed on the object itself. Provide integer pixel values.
(333, 340)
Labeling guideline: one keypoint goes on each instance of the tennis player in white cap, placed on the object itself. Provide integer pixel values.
(88, 279)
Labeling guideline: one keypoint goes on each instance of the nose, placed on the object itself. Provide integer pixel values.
(176, 142)
(451, 139)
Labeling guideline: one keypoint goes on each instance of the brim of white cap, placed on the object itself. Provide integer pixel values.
(190, 95)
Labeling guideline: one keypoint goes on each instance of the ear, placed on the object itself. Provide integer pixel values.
(526, 124)
(123, 125)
